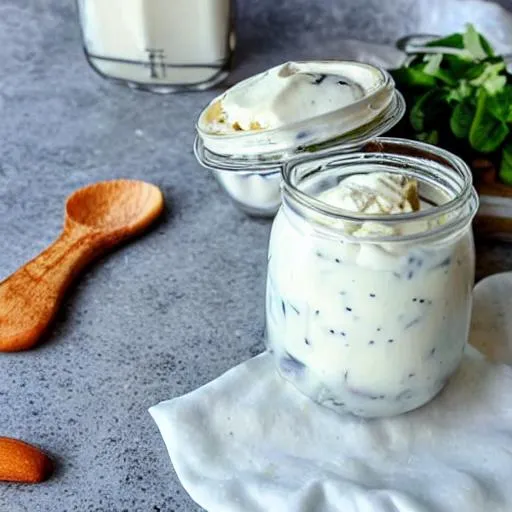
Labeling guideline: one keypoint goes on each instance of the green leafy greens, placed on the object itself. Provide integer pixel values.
(460, 97)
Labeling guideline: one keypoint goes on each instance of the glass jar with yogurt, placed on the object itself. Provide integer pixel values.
(248, 133)
(159, 45)
(370, 272)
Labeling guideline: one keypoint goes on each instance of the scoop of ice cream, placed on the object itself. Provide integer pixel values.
(280, 96)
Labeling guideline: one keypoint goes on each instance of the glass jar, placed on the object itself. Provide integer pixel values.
(159, 45)
(372, 324)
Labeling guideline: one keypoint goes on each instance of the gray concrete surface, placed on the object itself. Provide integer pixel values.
(165, 313)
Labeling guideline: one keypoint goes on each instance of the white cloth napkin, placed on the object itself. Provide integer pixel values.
(249, 442)
(436, 17)
(446, 16)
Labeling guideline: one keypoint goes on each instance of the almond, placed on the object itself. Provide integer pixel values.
(22, 462)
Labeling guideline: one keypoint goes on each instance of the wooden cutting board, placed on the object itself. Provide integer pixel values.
(494, 217)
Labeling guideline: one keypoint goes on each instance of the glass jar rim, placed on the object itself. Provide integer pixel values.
(399, 151)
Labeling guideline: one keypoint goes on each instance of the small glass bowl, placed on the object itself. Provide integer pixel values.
(248, 164)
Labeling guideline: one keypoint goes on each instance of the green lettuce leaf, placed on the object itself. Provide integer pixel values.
(462, 118)
(486, 133)
(428, 109)
(505, 172)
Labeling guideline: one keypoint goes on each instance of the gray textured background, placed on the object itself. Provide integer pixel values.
(168, 312)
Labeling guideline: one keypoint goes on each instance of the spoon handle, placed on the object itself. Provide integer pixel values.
(29, 298)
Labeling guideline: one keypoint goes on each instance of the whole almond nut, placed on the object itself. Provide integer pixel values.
(22, 462)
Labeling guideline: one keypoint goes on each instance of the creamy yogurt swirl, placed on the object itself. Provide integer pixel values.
(279, 112)
(282, 95)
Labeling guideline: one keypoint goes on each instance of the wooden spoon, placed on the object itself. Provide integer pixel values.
(97, 218)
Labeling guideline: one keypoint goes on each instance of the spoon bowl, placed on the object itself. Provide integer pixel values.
(111, 205)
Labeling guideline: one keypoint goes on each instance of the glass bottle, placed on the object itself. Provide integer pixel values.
(159, 45)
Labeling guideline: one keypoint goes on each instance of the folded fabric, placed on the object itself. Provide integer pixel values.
(249, 442)
(446, 16)
(491, 321)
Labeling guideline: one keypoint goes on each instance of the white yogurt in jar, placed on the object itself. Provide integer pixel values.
(161, 42)
(371, 328)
